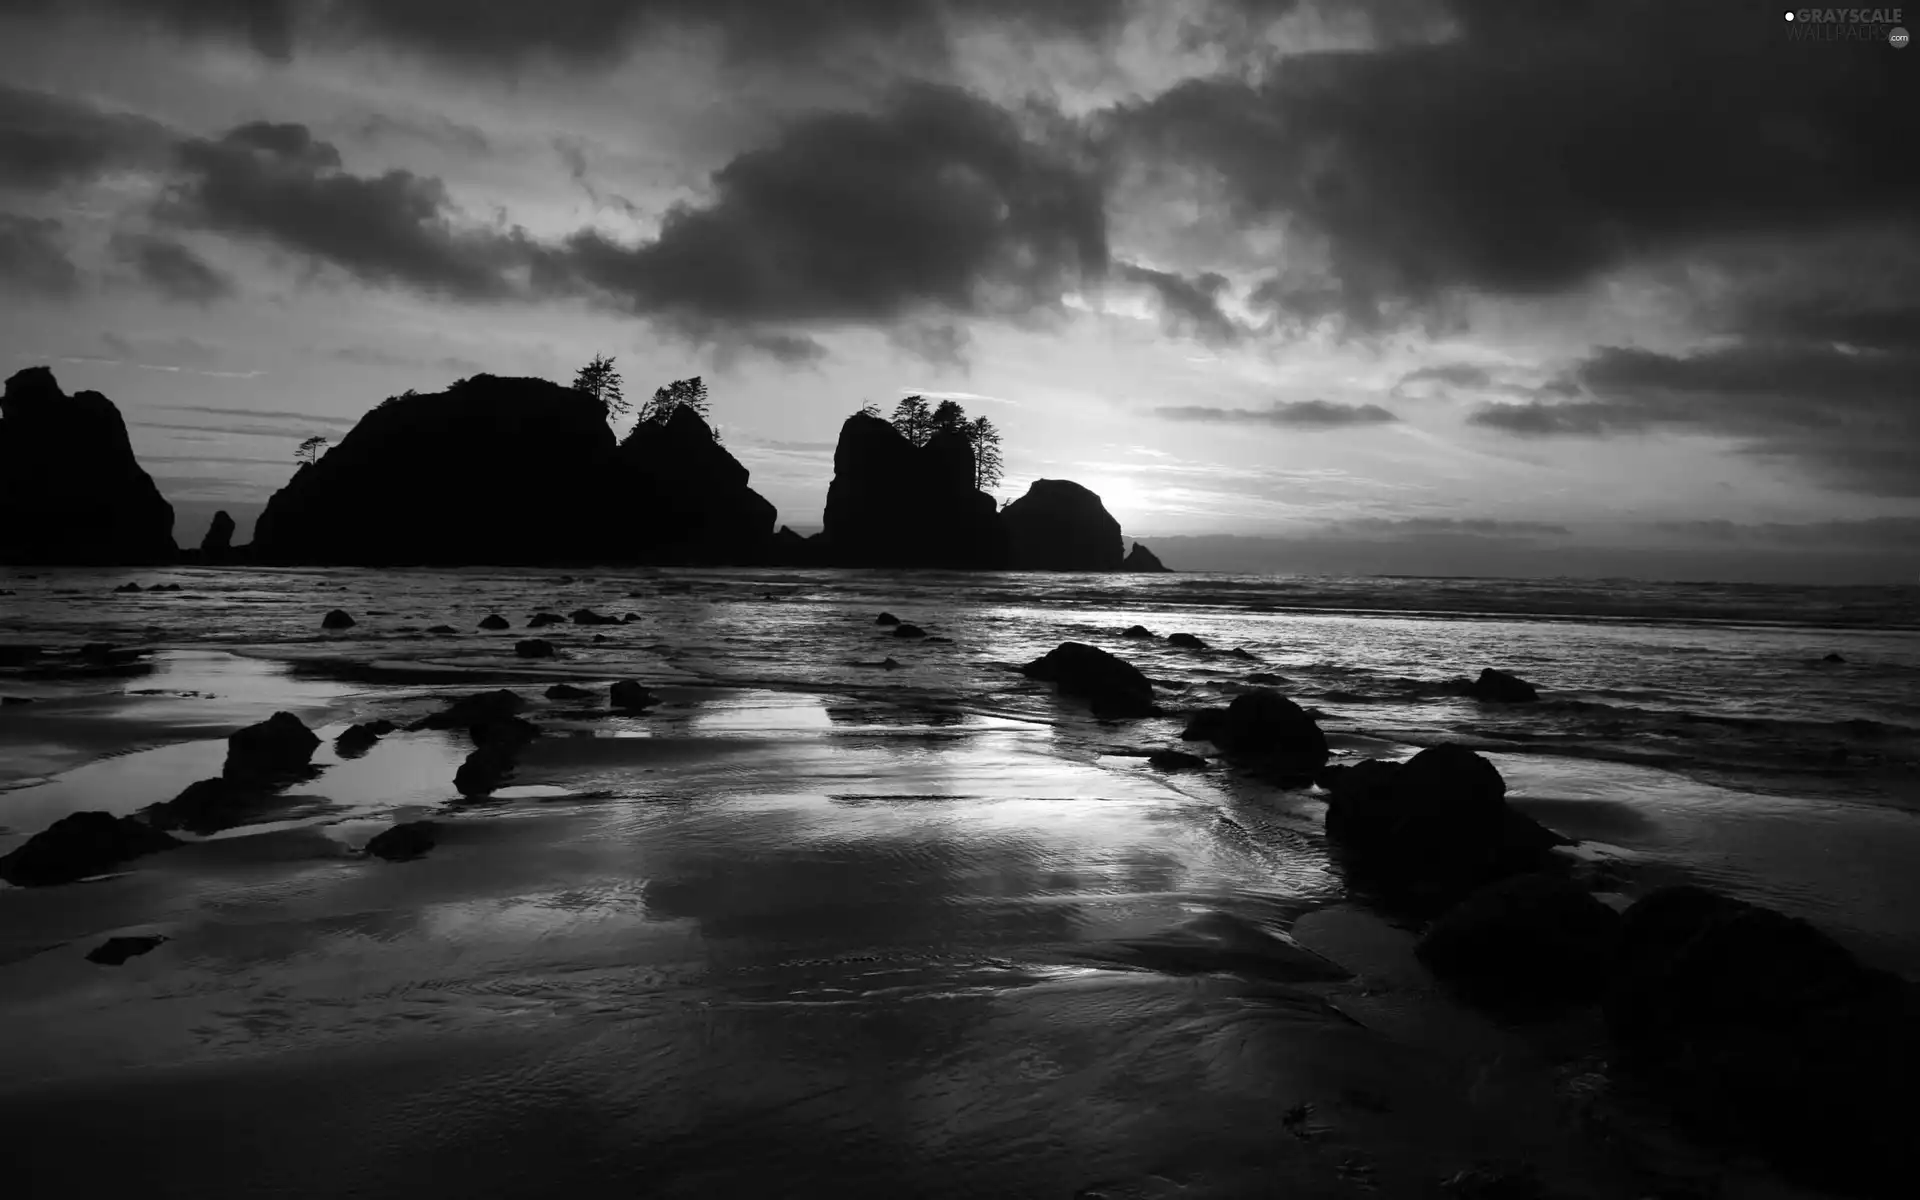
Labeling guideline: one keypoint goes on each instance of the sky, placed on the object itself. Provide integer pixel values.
(1527, 287)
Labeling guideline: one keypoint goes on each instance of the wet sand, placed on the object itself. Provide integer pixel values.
(751, 942)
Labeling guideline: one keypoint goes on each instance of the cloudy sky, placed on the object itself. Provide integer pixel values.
(1533, 286)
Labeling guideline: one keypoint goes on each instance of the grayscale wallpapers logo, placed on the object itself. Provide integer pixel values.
(1847, 25)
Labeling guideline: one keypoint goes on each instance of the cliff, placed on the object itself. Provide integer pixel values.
(492, 470)
(1060, 526)
(894, 504)
(684, 499)
(70, 489)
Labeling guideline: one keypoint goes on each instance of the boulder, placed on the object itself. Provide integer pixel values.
(629, 696)
(566, 691)
(337, 619)
(1175, 760)
(358, 739)
(1531, 944)
(541, 620)
(117, 950)
(1186, 641)
(1142, 560)
(1060, 526)
(403, 842)
(79, 845)
(1758, 1028)
(903, 630)
(1137, 631)
(277, 749)
(217, 545)
(586, 616)
(535, 648)
(212, 805)
(694, 496)
(126, 588)
(477, 709)
(630, 619)
(1502, 688)
(1428, 831)
(16, 655)
(442, 630)
(495, 622)
(1263, 728)
(886, 618)
(894, 504)
(1115, 688)
(890, 664)
(72, 489)
(1833, 658)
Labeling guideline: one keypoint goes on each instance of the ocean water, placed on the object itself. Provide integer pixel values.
(814, 926)
(1726, 682)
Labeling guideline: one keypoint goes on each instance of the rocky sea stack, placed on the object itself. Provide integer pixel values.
(69, 483)
(421, 480)
(1060, 526)
(684, 499)
(895, 504)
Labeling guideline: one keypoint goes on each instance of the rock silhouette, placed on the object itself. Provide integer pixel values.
(337, 619)
(402, 843)
(1429, 831)
(1137, 631)
(566, 691)
(1530, 944)
(1502, 688)
(1143, 560)
(629, 696)
(894, 504)
(904, 630)
(276, 750)
(1264, 728)
(1175, 760)
(418, 482)
(115, 951)
(495, 621)
(687, 497)
(217, 545)
(1115, 687)
(480, 708)
(69, 484)
(1061, 526)
(79, 845)
(358, 739)
(1740, 1015)
(1186, 641)
(535, 648)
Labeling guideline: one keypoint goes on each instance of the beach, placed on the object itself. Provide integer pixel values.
(812, 925)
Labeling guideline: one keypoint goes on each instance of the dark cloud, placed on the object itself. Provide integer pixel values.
(600, 32)
(262, 415)
(1544, 144)
(936, 201)
(1451, 375)
(1298, 414)
(935, 343)
(277, 183)
(1448, 527)
(1848, 414)
(1189, 304)
(48, 140)
(1870, 533)
(33, 257)
(172, 269)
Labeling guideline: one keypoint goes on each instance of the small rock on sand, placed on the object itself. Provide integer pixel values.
(403, 842)
(535, 648)
(337, 619)
(117, 950)
(496, 621)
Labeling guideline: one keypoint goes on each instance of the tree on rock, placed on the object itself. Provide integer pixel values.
(310, 451)
(913, 419)
(681, 393)
(987, 463)
(599, 380)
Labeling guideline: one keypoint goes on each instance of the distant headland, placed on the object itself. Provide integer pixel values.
(498, 471)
